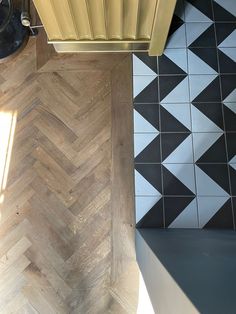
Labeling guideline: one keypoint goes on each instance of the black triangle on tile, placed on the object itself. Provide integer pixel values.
(168, 83)
(151, 62)
(151, 153)
(175, 24)
(170, 141)
(169, 123)
(228, 83)
(206, 39)
(203, 6)
(232, 173)
(218, 173)
(172, 185)
(216, 153)
(208, 55)
(227, 65)
(223, 219)
(174, 206)
(149, 94)
(213, 111)
(154, 217)
(167, 66)
(230, 119)
(150, 112)
(223, 30)
(234, 208)
(222, 15)
(231, 145)
(152, 173)
(211, 93)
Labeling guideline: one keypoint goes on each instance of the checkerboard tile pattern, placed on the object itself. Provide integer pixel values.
(185, 122)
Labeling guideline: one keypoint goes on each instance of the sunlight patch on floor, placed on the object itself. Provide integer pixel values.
(144, 302)
(7, 130)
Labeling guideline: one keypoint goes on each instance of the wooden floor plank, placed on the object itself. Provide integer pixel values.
(67, 211)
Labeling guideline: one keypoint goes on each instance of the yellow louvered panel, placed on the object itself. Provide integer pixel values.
(131, 9)
(49, 19)
(114, 19)
(65, 18)
(146, 16)
(98, 19)
(81, 18)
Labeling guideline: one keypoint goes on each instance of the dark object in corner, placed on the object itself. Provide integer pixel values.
(13, 35)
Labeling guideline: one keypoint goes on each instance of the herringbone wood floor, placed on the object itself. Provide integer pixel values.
(57, 227)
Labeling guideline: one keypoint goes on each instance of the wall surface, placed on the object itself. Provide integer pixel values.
(185, 122)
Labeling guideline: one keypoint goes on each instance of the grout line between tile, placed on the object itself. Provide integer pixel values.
(194, 170)
(224, 125)
(162, 176)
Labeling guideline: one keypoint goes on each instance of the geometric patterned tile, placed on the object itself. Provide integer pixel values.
(151, 173)
(143, 204)
(186, 170)
(228, 83)
(202, 142)
(215, 212)
(230, 116)
(234, 210)
(141, 141)
(233, 165)
(193, 14)
(143, 187)
(200, 35)
(149, 112)
(202, 61)
(141, 68)
(212, 180)
(225, 34)
(149, 149)
(227, 60)
(198, 32)
(175, 207)
(175, 117)
(154, 218)
(187, 218)
(172, 184)
(176, 148)
(141, 82)
(230, 52)
(141, 125)
(232, 174)
(209, 148)
(204, 88)
(179, 11)
(229, 41)
(184, 173)
(174, 89)
(224, 10)
(231, 146)
(199, 11)
(204, 117)
(223, 218)
(173, 61)
(148, 94)
(177, 37)
(213, 111)
(143, 64)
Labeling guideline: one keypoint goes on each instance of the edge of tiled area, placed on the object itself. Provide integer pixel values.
(185, 122)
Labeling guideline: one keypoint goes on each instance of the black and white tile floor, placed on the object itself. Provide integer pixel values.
(185, 121)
